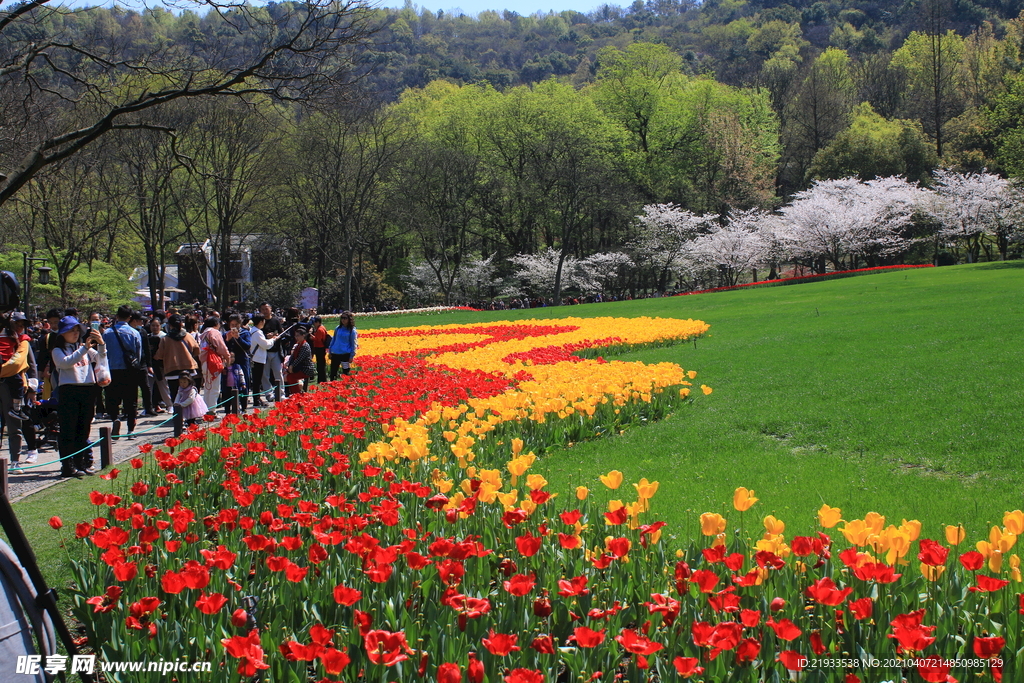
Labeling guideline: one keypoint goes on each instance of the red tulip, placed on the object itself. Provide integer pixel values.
(824, 591)
(247, 649)
(793, 661)
(747, 651)
(449, 673)
(520, 584)
(862, 608)
(687, 666)
(528, 544)
(475, 669)
(705, 579)
(344, 595)
(987, 648)
(932, 553)
(500, 644)
(575, 586)
(934, 669)
(988, 584)
(211, 604)
(386, 647)
(586, 637)
(544, 645)
(631, 641)
(334, 661)
(785, 629)
(524, 676)
(972, 560)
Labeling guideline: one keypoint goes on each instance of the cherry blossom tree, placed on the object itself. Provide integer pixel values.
(665, 239)
(970, 205)
(841, 221)
(734, 247)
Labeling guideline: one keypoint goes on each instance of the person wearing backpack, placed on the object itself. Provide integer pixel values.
(344, 345)
(124, 356)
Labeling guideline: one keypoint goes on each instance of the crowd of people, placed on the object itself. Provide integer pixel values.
(62, 373)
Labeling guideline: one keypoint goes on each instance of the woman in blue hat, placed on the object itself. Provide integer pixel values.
(74, 358)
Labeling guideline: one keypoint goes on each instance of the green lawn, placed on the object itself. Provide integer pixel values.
(898, 392)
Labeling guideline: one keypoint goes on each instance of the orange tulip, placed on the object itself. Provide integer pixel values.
(712, 524)
(612, 480)
(743, 499)
(828, 517)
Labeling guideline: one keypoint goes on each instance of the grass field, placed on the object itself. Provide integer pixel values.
(898, 392)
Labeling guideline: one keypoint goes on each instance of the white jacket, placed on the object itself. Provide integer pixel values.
(75, 367)
(259, 345)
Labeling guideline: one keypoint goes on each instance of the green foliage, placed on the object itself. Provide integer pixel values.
(94, 286)
(1006, 118)
(279, 292)
(873, 147)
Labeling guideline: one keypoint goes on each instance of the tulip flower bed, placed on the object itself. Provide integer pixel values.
(388, 527)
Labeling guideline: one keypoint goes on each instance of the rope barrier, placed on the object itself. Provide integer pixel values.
(93, 444)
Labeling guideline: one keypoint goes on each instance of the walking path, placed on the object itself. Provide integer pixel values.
(46, 472)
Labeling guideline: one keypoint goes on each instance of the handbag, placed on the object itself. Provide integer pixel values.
(214, 364)
(101, 371)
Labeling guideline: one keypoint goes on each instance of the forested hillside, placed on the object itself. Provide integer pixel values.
(446, 146)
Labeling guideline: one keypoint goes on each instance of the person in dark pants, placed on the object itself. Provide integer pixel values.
(261, 346)
(74, 362)
(144, 376)
(344, 345)
(124, 355)
(238, 340)
(320, 341)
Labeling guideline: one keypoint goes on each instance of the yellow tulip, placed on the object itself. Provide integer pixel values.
(582, 492)
(1001, 541)
(614, 505)
(712, 523)
(875, 522)
(536, 481)
(706, 389)
(509, 499)
(684, 392)
(743, 499)
(912, 528)
(692, 374)
(856, 532)
(517, 446)
(828, 517)
(995, 562)
(931, 573)
(1015, 568)
(517, 467)
(1013, 522)
(612, 480)
(774, 526)
(528, 505)
(646, 489)
(955, 535)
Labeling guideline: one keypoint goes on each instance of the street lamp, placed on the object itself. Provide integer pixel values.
(44, 277)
